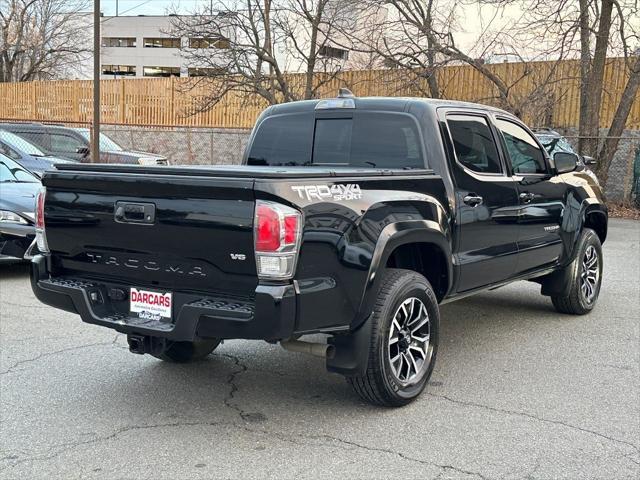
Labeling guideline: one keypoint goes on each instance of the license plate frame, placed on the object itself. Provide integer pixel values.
(150, 304)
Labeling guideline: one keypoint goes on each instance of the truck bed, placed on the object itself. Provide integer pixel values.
(241, 171)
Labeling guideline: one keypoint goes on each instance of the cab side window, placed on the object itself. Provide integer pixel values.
(524, 153)
(65, 143)
(473, 143)
(7, 151)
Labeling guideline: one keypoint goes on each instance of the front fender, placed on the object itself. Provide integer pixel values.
(574, 219)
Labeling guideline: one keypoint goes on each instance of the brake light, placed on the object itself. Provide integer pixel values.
(268, 229)
(277, 239)
(291, 229)
(41, 235)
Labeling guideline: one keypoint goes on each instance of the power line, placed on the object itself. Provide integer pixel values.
(135, 6)
(142, 3)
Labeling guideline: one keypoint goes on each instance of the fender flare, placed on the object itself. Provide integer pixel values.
(393, 236)
(352, 349)
(589, 206)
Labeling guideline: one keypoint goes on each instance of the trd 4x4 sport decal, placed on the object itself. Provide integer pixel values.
(350, 191)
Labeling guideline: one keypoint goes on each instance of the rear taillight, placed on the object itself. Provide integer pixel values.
(277, 235)
(41, 236)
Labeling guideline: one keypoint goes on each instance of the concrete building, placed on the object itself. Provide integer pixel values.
(143, 46)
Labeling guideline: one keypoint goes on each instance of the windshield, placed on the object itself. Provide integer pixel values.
(555, 144)
(106, 144)
(21, 144)
(11, 172)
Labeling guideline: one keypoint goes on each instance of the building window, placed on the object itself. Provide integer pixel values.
(162, 42)
(333, 52)
(205, 72)
(118, 41)
(209, 42)
(119, 70)
(161, 71)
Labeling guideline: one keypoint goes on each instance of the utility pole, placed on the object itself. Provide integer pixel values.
(95, 131)
(116, 8)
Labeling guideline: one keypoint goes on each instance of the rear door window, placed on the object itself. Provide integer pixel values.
(473, 143)
(65, 143)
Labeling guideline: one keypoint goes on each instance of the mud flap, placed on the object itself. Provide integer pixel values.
(351, 351)
(557, 283)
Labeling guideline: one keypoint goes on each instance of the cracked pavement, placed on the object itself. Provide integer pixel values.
(518, 392)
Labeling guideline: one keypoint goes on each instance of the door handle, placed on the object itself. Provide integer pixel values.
(126, 212)
(472, 200)
(526, 197)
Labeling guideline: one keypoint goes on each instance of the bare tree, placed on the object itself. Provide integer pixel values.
(41, 39)
(246, 47)
(610, 144)
(387, 41)
(592, 31)
(418, 37)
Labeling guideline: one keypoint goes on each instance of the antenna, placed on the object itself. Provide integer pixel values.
(344, 92)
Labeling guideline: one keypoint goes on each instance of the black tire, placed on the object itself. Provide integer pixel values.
(578, 302)
(185, 352)
(380, 385)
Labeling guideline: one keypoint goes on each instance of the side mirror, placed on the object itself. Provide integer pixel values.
(565, 162)
(587, 160)
(83, 151)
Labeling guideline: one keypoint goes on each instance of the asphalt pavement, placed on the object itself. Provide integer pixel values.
(518, 391)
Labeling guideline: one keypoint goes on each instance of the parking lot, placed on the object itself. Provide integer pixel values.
(518, 391)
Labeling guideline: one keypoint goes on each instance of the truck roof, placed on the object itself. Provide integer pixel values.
(382, 103)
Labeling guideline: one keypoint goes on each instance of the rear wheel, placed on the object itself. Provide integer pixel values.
(184, 352)
(404, 340)
(585, 274)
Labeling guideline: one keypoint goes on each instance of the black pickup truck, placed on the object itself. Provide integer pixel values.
(350, 217)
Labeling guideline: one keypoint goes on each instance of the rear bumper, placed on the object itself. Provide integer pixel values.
(269, 315)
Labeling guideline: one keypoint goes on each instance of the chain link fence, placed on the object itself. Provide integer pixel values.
(205, 146)
(190, 146)
(218, 146)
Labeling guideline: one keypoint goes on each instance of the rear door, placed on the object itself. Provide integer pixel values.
(486, 202)
(540, 195)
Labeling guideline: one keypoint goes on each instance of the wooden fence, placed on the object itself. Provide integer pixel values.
(546, 93)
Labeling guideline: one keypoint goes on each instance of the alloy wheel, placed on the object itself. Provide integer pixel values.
(590, 274)
(408, 345)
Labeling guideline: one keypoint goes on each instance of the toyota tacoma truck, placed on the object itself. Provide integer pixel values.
(350, 217)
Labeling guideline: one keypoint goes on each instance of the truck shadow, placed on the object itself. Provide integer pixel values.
(258, 382)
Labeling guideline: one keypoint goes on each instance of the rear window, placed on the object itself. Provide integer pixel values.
(368, 139)
(284, 140)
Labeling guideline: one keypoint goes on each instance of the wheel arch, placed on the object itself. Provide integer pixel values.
(596, 218)
(425, 258)
(397, 244)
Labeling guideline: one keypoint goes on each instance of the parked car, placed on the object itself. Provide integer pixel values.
(555, 142)
(73, 144)
(18, 188)
(351, 217)
(26, 153)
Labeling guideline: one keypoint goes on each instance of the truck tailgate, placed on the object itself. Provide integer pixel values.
(153, 229)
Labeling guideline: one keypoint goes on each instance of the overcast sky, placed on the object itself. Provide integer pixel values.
(145, 7)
